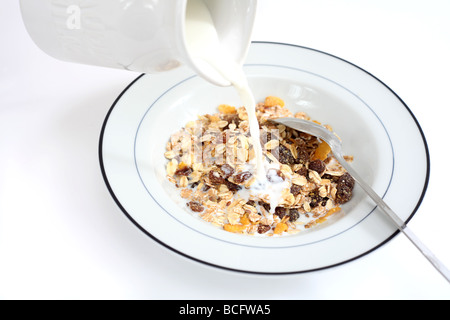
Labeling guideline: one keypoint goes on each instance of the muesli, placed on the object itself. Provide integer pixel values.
(210, 159)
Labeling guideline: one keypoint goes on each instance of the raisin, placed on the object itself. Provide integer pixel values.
(232, 186)
(227, 171)
(280, 212)
(293, 215)
(302, 156)
(344, 187)
(251, 203)
(316, 199)
(215, 177)
(295, 189)
(343, 194)
(195, 206)
(302, 171)
(185, 171)
(284, 155)
(347, 180)
(262, 228)
(242, 177)
(318, 166)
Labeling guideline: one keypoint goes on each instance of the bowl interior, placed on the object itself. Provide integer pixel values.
(362, 132)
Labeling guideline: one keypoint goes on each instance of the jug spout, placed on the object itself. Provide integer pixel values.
(217, 32)
(147, 36)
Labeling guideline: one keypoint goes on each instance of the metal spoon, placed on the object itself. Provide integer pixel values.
(335, 144)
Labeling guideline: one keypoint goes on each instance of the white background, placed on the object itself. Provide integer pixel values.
(62, 235)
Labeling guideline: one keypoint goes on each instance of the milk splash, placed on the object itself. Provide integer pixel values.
(205, 47)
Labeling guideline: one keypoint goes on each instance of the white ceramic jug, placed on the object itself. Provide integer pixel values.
(147, 36)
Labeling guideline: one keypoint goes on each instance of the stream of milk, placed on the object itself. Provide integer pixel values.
(203, 44)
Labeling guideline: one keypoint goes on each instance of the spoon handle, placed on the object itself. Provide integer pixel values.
(395, 219)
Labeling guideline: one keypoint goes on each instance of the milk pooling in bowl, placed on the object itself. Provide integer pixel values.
(207, 52)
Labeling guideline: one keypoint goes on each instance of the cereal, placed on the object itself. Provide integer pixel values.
(226, 109)
(344, 188)
(172, 167)
(210, 161)
(318, 166)
(281, 226)
(322, 151)
(272, 144)
(263, 228)
(273, 101)
(195, 206)
(234, 228)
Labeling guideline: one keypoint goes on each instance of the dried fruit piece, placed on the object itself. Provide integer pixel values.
(280, 212)
(343, 195)
(280, 228)
(235, 228)
(227, 171)
(226, 109)
(296, 189)
(232, 186)
(242, 177)
(316, 199)
(262, 228)
(293, 215)
(344, 188)
(266, 206)
(284, 155)
(302, 156)
(215, 177)
(183, 171)
(272, 101)
(245, 220)
(322, 151)
(302, 171)
(333, 211)
(347, 180)
(251, 203)
(328, 214)
(318, 166)
(195, 206)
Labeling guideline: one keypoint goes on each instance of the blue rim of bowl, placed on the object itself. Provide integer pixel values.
(118, 203)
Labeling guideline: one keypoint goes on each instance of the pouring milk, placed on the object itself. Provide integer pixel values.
(204, 45)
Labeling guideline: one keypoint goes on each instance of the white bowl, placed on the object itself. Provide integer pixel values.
(376, 127)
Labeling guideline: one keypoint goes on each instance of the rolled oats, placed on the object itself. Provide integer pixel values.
(172, 167)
